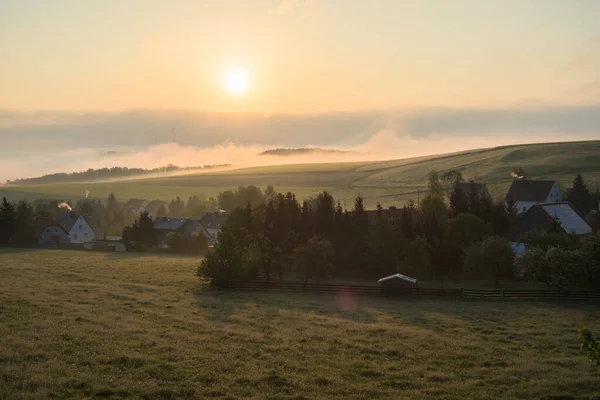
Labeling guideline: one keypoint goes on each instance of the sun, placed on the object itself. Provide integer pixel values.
(237, 81)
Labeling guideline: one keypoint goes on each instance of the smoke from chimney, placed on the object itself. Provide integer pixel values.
(87, 193)
(65, 205)
(516, 176)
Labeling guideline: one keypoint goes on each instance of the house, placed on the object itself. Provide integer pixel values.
(81, 229)
(166, 225)
(48, 231)
(546, 217)
(136, 205)
(213, 222)
(153, 207)
(526, 193)
(481, 189)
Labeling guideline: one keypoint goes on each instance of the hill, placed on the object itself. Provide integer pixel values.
(388, 182)
(301, 151)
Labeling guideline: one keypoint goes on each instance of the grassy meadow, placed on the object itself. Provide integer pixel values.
(95, 325)
(387, 182)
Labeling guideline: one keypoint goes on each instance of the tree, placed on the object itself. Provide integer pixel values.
(112, 205)
(473, 200)
(385, 247)
(459, 203)
(23, 232)
(225, 261)
(141, 232)
(161, 211)
(492, 257)
(417, 260)
(435, 186)
(450, 179)
(324, 215)
(500, 220)
(462, 230)
(579, 195)
(177, 208)
(8, 221)
(313, 260)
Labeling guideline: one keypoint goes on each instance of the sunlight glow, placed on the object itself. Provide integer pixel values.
(237, 81)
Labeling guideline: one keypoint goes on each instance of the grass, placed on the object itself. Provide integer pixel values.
(96, 325)
(389, 183)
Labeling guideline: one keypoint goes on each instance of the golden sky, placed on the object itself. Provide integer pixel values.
(301, 56)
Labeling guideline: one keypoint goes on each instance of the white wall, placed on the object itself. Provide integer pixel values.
(523, 206)
(555, 195)
(81, 231)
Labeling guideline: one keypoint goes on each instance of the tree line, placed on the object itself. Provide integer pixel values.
(450, 233)
(102, 173)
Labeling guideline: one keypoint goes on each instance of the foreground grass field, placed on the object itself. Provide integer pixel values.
(94, 325)
(389, 183)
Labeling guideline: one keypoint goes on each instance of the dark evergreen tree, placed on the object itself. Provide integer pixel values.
(459, 203)
(579, 195)
(8, 221)
(474, 203)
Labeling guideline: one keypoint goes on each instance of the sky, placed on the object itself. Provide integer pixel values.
(320, 72)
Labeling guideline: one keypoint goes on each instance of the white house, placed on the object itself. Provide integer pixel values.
(80, 229)
(527, 193)
(559, 216)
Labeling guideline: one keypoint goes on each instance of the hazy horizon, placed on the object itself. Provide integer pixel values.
(188, 82)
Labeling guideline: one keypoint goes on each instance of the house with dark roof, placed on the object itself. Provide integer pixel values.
(526, 193)
(185, 226)
(81, 228)
(213, 222)
(48, 231)
(480, 189)
(549, 216)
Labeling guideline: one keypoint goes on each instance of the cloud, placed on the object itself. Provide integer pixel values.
(39, 143)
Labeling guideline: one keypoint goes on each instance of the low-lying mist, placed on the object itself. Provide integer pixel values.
(34, 144)
(385, 144)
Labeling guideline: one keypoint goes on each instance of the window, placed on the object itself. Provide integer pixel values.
(47, 230)
(524, 208)
(85, 235)
(79, 226)
(75, 236)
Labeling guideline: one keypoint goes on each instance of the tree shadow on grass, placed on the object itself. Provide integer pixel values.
(221, 305)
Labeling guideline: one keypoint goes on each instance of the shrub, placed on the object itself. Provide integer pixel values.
(314, 260)
(492, 257)
(546, 240)
(225, 261)
(590, 347)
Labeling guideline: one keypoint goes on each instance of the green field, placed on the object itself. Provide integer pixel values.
(96, 325)
(388, 182)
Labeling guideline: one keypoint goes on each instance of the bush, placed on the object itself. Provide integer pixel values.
(225, 261)
(314, 260)
(417, 261)
(546, 240)
(556, 267)
(179, 243)
(590, 347)
(492, 257)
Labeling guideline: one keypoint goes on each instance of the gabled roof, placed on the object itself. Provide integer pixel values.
(67, 219)
(135, 203)
(529, 190)
(480, 188)
(570, 220)
(168, 223)
(214, 220)
(39, 225)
